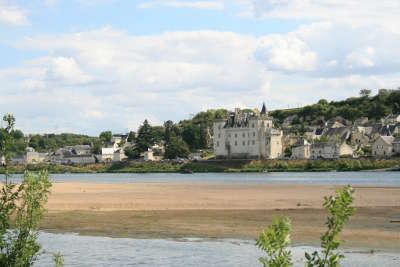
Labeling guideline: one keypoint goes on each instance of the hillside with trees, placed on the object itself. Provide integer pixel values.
(386, 102)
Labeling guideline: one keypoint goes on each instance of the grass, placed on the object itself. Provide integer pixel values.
(232, 166)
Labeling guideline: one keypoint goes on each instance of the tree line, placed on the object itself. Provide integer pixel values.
(386, 102)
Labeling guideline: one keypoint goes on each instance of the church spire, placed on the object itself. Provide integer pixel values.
(264, 109)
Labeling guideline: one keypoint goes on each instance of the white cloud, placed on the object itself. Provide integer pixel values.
(286, 53)
(216, 5)
(12, 15)
(351, 12)
(109, 79)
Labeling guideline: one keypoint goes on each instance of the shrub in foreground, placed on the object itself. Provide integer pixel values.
(275, 240)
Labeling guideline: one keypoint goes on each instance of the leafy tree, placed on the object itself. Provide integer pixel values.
(132, 153)
(158, 134)
(340, 210)
(131, 137)
(21, 209)
(274, 242)
(105, 136)
(276, 239)
(96, 147)
(176, 148)
(288, 152)
(365, 93)
(145, 138)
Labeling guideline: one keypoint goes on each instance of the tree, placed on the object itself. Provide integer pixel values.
(274, 242)
(105, 136)
(145, 138)
(132, 153)
(21, 209)
(176, 148)
(96, 147)
(131, 137)
(276, 239)
(158, 134)
(365, 93)
(288, 152)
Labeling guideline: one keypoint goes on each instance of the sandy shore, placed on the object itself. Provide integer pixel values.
(218, 210)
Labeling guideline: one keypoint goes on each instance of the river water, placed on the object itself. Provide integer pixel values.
(317, 178)
(105, 251)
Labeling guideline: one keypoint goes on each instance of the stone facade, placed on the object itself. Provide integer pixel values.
(247, 135)
(383, 147)
(330, 150)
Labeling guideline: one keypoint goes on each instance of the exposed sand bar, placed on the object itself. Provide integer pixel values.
(159, 210)
(184, 196)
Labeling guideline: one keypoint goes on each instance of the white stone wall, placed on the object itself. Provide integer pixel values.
(252, 141)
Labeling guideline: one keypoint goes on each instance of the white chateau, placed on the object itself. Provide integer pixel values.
(247, 135)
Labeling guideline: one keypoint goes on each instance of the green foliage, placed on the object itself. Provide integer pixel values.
(21, 208)
(52, 142)
(145, 138)
(376, 107)
(25, 203)
(276, 239)
(96, 147)
(340, 210)
(58, 259)
(105, 137)
(274, 243)
(131, 137)
(132, 153)
(176, 148)
(158, 133)
(288, 152)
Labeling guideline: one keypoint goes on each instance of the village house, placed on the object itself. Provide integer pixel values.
(396, 146)
(107, 154)
(247, 135)
(301, 150)
(392, 119)
(359, 137)
(383, 147)
(330, 150)
(361, 121)
(33, 157)
(119, 155)
(338, 134)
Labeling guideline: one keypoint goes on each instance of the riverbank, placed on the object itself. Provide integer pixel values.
(173, 210)
(229, 166)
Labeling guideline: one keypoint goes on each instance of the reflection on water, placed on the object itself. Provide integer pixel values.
(105, 251)
(330, 178)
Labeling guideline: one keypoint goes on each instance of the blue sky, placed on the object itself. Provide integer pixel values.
(86, 66)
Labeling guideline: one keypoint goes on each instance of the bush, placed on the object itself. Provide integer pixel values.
(276, 239)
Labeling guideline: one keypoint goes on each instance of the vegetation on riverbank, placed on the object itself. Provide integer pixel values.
(229, 166)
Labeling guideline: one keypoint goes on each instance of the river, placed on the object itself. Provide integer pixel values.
(318, 178)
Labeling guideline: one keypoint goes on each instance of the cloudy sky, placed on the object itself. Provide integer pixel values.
(88, 65)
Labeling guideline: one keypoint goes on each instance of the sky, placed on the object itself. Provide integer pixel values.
(84, 66)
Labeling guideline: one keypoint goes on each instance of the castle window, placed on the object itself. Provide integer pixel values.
(254, 134)
(252, 125)
(235, 135)
(254, 142)
(235, 143)
(244, 143)
(219, 127)
(244, 135)
(217, 143)
(248, 142)
(219, 135)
